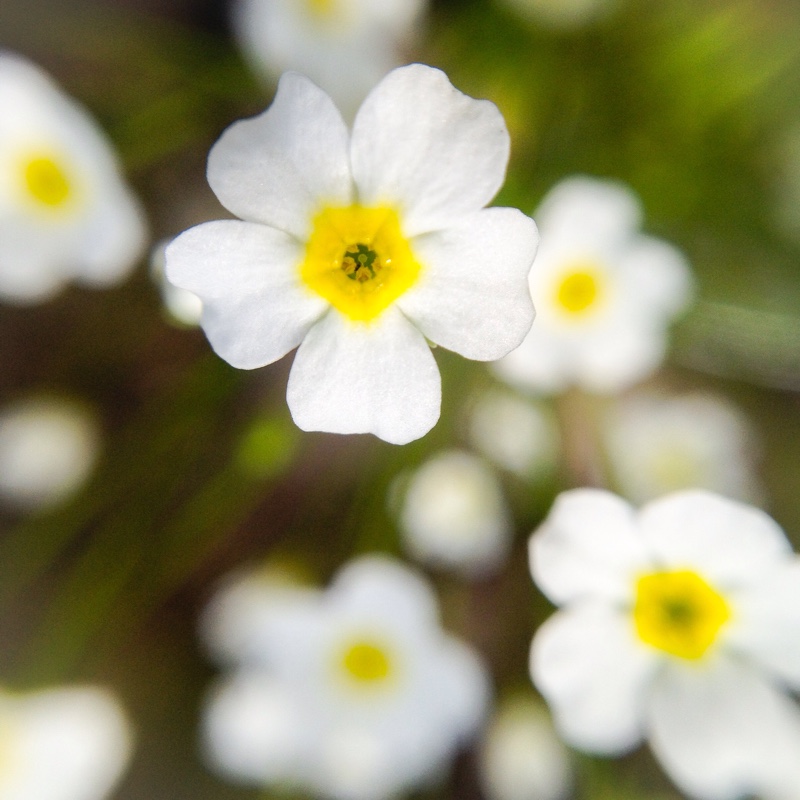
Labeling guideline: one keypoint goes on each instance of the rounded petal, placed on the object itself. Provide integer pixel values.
(278, 167)
(473, 296)
(589, 666)
(253, 729)
(731, 544)
(766, 625)
(588, 546)
(255, 309)
(723, 732)
(377, 377)
(66, 743)
(427, 149)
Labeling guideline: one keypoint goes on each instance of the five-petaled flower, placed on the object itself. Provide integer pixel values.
(358, 245)
(680, 625)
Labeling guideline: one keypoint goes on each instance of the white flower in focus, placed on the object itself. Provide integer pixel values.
(658, 444)
(563, 14)
(604, 293)
(358, 697)
(454, 515)
(359, 246)
(65, 211)
(48, 448)
(515, 433)
(344, 46)
(680, 624)
(521, 758)
(62, 744)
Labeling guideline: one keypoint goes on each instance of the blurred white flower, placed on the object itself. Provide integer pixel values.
(357, 697)
(454, 515)
(182, 306)
(521, 758)
(357, 247)
(658, 444)
(344, 46)
(48, 448)
(515, 433)
(604, 293)
(563, 14)
(65, 211)
(62, 744)
(681, 625)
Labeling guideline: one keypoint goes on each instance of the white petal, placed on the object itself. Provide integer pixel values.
(587, 546)
(63, 744)
(581, 209)
(386, 587)
(277, 168)
(589, 666)
(729, 543)
(766, 623)
(377, 377)
(253, 729)
(472, 296)
(255, 309)
(426, 148)
(723, 732)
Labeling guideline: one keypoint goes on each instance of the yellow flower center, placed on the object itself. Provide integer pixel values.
(45, 181)
(674, 467)
(321, 8)
(366, 662)
(679, 613)
(579, 290)
(358, 260)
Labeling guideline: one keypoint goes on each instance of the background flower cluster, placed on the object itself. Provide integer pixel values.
(161, 513)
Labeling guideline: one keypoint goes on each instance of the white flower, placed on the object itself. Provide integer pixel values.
(65, 212)
(604, 293)
(357, 246)
(48, 448)
(658, 444)
(521, 758)
(454, 514)
(357, 697)
(681, 625)
(344, 46)
(515, 433)
(181, 305)
(62, 744)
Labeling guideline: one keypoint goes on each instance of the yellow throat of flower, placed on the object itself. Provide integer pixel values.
(366, 663)
(45, 181)
(579, 290)
(679, 613)
(358, 259)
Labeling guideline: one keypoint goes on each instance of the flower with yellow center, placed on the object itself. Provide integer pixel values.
(66, 743)
(65, 212)
(603, 291)
(345, 46)
(680, 625)
(359, 246)
(358, 695)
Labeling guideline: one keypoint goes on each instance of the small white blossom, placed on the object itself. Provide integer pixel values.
(344, 46)
(360, 245)
(65, 211)
(658, 444)
(358, 695)
(62, 744)
(48, 448)
(680, 624)
(515, 433)
(521, 758)
(454, 515)
(604, 293)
